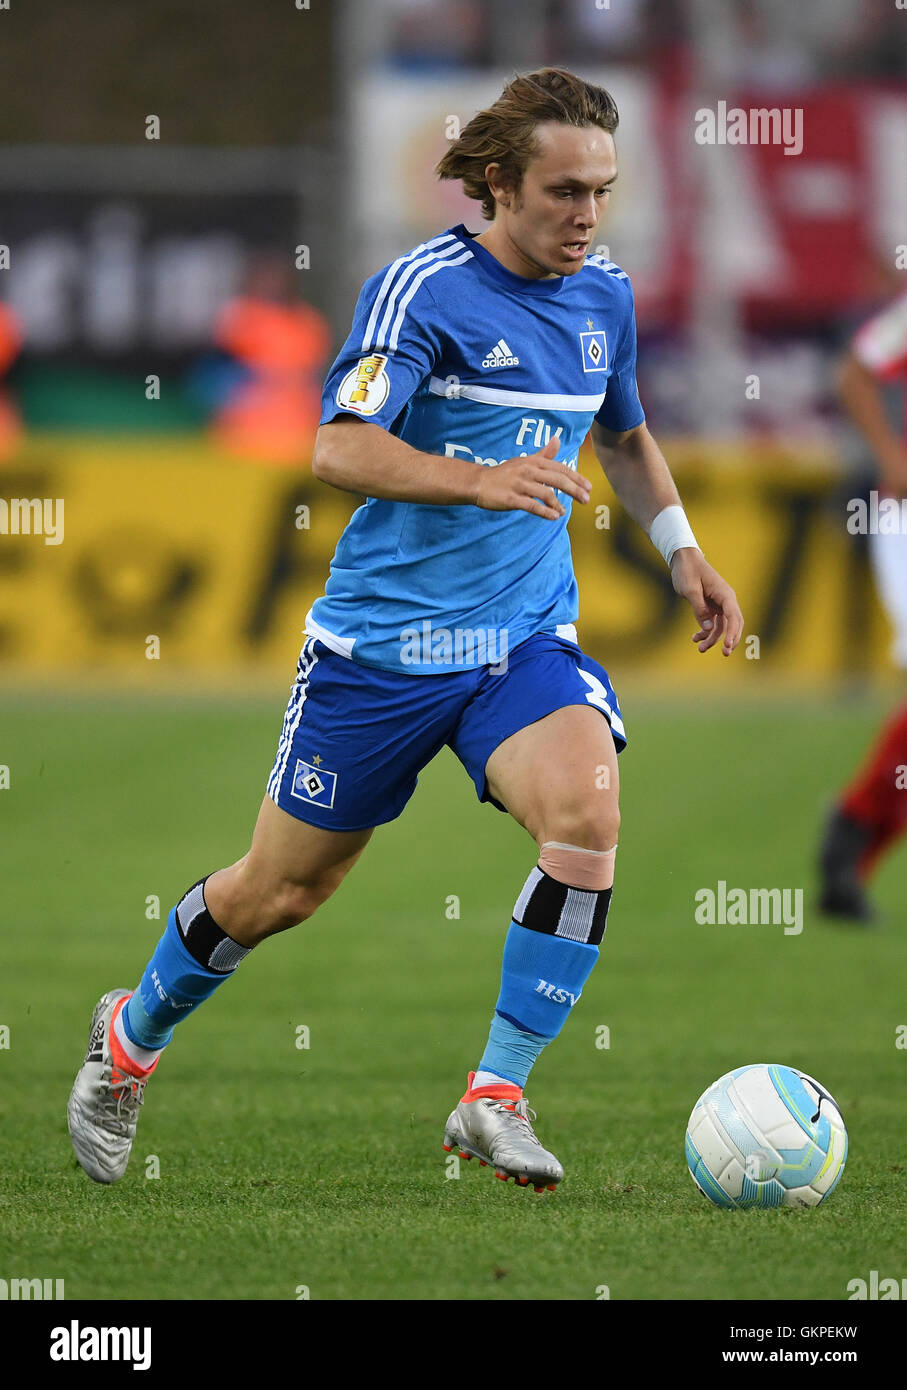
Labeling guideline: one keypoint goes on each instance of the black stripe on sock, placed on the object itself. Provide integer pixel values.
(543, 910)
(546, 904)
(202, 936)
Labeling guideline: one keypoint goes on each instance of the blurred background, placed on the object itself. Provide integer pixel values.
(191, 200)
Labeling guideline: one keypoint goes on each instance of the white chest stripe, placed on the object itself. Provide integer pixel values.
(493, 395)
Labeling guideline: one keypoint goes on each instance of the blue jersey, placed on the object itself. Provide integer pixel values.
(459, 357)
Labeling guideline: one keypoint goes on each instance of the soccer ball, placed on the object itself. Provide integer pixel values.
(766, 1136)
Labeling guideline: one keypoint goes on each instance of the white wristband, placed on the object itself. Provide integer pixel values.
(671, 531)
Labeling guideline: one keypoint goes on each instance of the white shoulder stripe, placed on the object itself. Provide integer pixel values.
(393, 270)
(609, 267)
(401, 282)
(423, 275)
(493, 395)
(448, 241)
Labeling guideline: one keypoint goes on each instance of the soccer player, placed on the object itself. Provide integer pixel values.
(475, 367)
(870, 815)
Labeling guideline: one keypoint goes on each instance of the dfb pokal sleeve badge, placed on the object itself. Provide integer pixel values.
(365, 388)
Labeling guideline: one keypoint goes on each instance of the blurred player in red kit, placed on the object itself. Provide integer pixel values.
(871, 813)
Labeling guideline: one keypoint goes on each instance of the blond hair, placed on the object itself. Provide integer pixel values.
(504, 134)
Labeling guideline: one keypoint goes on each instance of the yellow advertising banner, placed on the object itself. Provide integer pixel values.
(142, 558)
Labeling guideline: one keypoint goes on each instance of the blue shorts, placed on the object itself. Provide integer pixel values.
(355, 738)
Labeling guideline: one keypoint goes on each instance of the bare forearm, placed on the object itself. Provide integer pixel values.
(638, 472)
(358, 457)
(860, 395)
(636, 469)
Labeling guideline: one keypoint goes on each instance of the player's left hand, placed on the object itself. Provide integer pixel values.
(712, 600)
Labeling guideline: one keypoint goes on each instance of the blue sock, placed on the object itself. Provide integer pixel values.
(140, 1027)
(510, 1052)
(176, 981)
(542, 977)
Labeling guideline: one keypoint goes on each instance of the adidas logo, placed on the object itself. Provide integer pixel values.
(500, 356)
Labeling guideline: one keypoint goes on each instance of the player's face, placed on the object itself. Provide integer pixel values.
(551, 223)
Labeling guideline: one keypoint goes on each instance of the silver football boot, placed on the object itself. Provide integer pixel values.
(497, 1130)
(103, 1108)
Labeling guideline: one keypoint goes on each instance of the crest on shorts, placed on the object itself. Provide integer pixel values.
(314, 784)
(365, 389)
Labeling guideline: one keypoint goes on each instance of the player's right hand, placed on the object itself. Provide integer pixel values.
(531, 484)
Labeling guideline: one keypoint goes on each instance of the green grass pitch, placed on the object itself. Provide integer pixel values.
(282, 1167)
